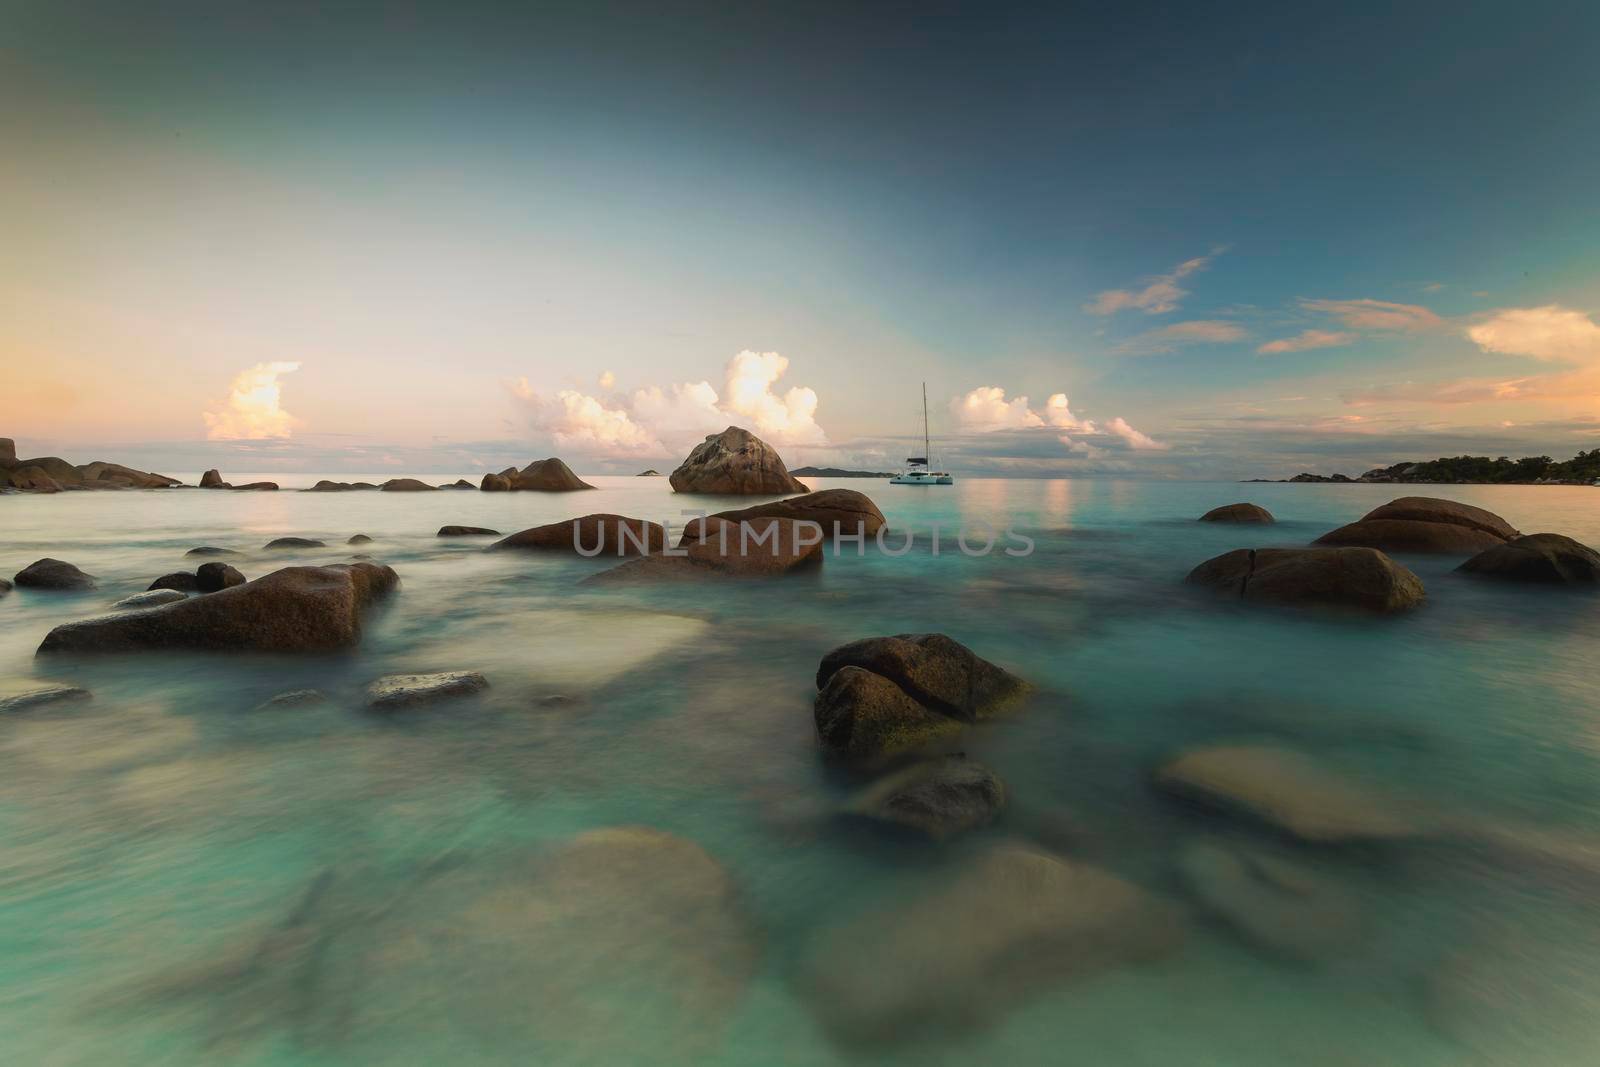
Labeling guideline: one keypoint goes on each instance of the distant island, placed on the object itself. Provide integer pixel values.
(835, 472)
(1582, 469)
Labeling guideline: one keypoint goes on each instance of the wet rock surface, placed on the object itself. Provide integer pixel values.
(1538, 558)
(405, 690)
(1361, 578)
(937, 798)
(734, 461)
(41, 696)
(53, 574)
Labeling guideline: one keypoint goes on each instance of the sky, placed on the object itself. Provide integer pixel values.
(1167, 241)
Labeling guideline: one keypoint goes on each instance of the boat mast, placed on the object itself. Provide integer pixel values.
(927, 457)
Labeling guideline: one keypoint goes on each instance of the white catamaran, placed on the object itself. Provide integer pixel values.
(919, 469)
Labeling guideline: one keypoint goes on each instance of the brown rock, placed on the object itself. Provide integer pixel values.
(549, 476)
(734, 461)
(405, 690)
(1008, 927)
(326, 486)
(267, 487)
(179, 581)
(1548, 558)
(865, 718)
(64, 473)
(933, 670)
(53, 574)
(467, 531)
(101, 471)
(1238, 513)
(495, 483)
(210, 550)
(213, 577)
(358, 539)
(34, 480)
(612, 535)
(937, 798)
(1405, 535)
(212, 479)
(294, 542)
(1352, 577)
(1450, 512)
(296, 609)
(843, 510)
(763, 548)
(406, 485)
(8, 452)
(1280, 907)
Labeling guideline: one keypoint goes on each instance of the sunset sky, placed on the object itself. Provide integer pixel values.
(1145, 240)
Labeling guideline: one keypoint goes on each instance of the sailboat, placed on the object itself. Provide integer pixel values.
(919, 470)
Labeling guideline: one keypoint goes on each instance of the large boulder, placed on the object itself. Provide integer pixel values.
(53, 574)
(1290, 792)
(611, 535)
(844, 511)
(937, 798)
(1238, 513)
(549, 476)
(1424, 524)
(407, 485)
(1350, 577)
(116, 473)
(216, 576)
(152, 598)
(934, 670)
(885, 695)
(1011, 925)
(763, 548)
(296, 609)
(8, 452)
(734, 461)
(54, 467)
(212, 479)
(1538, 558)
(496, 483)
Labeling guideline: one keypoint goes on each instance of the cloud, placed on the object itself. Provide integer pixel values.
(986, 409)
(1058, 413)
(1160, 295)
(1549, 333)
(252, 411)
(664, 421)
(1307, 339)
(1376, 314)
(1139, 442)
(1179, 334)
(790, 419)
(607, 379)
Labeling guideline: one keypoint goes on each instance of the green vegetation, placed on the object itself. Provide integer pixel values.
(1583, 468)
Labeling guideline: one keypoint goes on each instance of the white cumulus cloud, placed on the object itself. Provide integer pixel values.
(1550, 333)
(986, 408)
(1138, 441)
(252, 411)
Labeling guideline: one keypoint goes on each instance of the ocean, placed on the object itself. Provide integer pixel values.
(187, 878)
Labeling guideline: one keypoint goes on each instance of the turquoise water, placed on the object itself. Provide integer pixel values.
(186, 880)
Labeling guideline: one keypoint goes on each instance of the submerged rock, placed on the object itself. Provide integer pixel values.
(1280, 907)
(294, 698)
(1292, 793)
(212, 577)
(734, 461)
(400, 690)
(209, 550)
(326, 486)
(294, 542)
(1549, 558)
(938, 798)
(1013, 924)
(5, 586)
(53, 574)
(152, 598)
(359, 539)
(177, 581)
(467, 531)
(612, 535)
(761, 548)
(41, 696)
(1238, 513)
(1351, 577)
(296, 609)
(842, 511)
(934, 670)
(623, 945)
(1424, 524)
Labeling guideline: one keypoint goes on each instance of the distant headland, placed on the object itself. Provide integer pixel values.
(1582, 469)
(836, 472)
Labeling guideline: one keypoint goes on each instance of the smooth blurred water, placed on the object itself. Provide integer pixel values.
(186, 880)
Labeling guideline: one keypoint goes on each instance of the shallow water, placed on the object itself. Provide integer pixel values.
(184, 879)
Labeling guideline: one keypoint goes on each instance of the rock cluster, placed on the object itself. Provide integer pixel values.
(1424, 524)
(212, 479)
(542, 476)
(51, 474)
